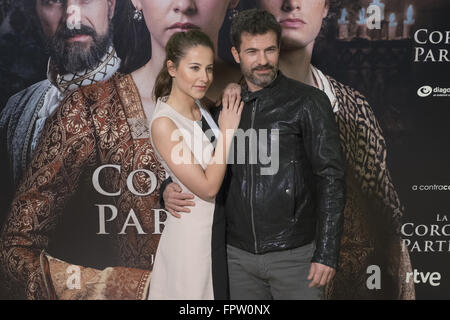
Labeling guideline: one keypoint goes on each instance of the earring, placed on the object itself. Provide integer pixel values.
(138, 16)
(233, 14)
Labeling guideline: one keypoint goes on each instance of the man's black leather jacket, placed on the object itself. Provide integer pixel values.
(304, 199)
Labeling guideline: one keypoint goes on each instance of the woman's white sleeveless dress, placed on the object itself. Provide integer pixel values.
(182, 268)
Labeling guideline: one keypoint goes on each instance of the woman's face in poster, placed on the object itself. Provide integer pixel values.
(301, 20)
(164, 18)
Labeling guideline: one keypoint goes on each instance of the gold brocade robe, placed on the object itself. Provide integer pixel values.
(373, 211)
(102, 124)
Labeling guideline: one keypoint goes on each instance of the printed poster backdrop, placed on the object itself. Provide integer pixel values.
(402, 69)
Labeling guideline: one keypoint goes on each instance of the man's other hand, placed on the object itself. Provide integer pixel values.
(320, 275)
(177, 202)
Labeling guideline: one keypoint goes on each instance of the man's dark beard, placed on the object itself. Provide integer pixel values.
(261, 81)
(76, 57)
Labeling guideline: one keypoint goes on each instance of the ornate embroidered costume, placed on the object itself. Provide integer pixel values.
(102, 124)
(24, 116)
(373, 210)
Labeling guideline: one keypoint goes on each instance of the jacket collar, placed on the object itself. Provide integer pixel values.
(248, 96)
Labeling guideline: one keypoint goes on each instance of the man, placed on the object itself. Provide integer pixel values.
(373, 210)
(78, 36)
(283, 228)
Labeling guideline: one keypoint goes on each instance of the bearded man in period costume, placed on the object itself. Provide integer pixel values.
(51, 140)
(80, 55)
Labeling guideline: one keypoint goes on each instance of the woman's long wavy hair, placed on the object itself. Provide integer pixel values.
(131, 38)
(176, 49)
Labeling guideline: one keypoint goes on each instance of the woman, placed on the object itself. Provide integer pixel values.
(182, 267)
(372, 213)
(105, 124)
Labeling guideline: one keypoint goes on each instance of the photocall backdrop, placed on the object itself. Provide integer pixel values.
(406, 85)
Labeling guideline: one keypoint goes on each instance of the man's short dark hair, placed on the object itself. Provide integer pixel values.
(255, 22)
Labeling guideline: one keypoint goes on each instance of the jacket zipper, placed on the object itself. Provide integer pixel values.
(252, 182)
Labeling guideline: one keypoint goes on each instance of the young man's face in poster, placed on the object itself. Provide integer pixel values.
(301, 20)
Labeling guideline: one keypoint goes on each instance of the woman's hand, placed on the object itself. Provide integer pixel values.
(231, 93)
(230, 116)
